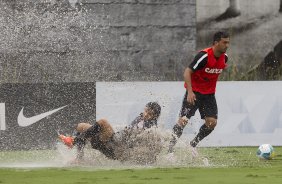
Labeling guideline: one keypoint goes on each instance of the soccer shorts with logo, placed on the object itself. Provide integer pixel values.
(206, 103)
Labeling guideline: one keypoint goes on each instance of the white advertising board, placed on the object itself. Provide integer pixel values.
(250, 112)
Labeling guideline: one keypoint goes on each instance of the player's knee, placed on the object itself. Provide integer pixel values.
(106, 130)
(211, 122)
(182, 121)
(82, 127)
(103, 122)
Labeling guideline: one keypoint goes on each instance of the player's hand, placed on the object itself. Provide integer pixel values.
(191, 97)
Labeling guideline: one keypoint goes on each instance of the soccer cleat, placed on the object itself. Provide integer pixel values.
(68, 141)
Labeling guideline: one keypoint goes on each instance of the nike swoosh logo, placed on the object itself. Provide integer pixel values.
(24, 121)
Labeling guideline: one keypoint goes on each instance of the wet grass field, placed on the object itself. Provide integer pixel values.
(225, 165)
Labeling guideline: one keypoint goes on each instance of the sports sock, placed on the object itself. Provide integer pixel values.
(203, 132)
(177, 131)
(80, 139)
(80, 143)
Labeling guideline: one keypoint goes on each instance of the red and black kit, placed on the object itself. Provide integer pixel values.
(206, 70)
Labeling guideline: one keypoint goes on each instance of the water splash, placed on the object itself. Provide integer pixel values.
(73, 2)
(139, 157)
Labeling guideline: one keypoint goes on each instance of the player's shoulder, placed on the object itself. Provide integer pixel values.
(201, 55)
(226, 57)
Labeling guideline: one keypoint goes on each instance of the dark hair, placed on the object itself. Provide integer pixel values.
(155, 107)
(220, 34)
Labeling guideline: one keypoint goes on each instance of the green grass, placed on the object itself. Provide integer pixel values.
(227, 165)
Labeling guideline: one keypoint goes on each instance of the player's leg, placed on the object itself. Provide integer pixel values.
(208, 111)
(98, 134)
(106, 130)
(187, 110)
(79, 129)
(205, 130)
(104, 139)
(79, 140)
(82, 127)
(101, 131)
(101, 128)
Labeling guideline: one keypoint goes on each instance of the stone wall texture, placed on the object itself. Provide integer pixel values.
(95, 40)
(254, 35)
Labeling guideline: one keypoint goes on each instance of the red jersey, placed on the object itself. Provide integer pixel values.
(204, 79)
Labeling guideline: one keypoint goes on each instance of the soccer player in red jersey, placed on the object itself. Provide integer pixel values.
(200, 78)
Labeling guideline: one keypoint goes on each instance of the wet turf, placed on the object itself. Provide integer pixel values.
(226, 165)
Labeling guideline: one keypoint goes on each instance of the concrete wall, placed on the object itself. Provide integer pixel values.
(249, 8)
(95, 40)
(254, 33)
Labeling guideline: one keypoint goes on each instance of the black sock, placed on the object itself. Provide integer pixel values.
(203, 132)
(80, 142)
(177, 131)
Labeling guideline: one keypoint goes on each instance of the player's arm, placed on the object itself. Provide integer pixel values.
(198, 63)
(191, 97)
(187, 78)
(135, 122)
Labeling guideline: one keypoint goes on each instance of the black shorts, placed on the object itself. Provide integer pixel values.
(205, 103)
